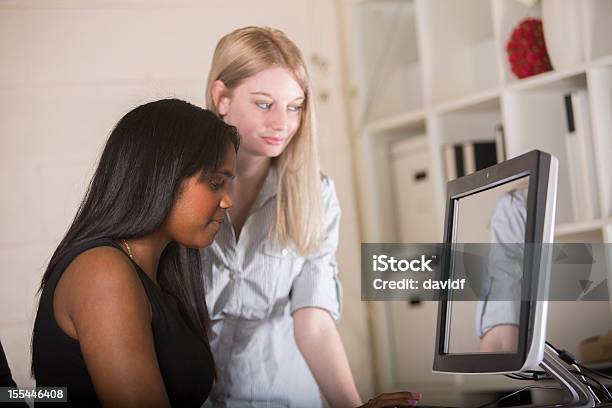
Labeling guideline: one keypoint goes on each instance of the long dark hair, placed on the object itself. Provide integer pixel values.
(148, 154)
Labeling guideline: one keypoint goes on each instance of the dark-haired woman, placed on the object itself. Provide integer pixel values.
(122, 319)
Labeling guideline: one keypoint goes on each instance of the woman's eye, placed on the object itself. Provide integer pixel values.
(216, 185)
(295, 108)
(264, 105)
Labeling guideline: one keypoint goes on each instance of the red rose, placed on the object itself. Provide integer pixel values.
(527, 50)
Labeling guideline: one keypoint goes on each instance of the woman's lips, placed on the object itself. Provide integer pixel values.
(216, 221)
(275, 141)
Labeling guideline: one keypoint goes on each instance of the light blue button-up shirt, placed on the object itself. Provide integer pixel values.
(252, 289)
(505, 263)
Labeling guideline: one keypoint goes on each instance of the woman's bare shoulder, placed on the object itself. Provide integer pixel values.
(102, 266)
(100, 280)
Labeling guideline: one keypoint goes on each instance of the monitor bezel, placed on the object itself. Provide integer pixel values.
(537, 166)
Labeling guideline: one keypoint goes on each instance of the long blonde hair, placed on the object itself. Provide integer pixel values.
(246, 52)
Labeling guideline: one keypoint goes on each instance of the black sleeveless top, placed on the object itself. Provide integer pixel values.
(186, 366)
(6, 378)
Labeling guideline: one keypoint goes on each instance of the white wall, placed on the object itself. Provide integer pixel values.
(70, 69)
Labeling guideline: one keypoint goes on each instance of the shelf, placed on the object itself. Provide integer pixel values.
(601, 62)
(581, 227)
(467, 120)
(409, 119)
(483, 101)
(548, 80)
(450, 83)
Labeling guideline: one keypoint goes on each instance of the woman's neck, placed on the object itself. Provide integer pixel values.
(250, 169)
(146, 251)
(251, 172)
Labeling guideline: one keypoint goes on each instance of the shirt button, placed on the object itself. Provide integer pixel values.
(284, 252)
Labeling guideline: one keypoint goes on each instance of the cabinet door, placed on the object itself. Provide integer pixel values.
(414, 191)
(413, 327)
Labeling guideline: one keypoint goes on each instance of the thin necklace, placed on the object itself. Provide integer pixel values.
(127, 247)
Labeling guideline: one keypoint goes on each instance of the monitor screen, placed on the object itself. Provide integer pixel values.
(504, 213)
(495, 216)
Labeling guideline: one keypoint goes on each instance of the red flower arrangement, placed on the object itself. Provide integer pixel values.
(527, 50)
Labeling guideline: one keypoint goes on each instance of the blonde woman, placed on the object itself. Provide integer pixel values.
(273, 290)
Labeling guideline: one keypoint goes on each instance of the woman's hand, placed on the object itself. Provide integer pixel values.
(394, 399)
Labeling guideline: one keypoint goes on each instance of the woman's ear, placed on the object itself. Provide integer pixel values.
(220, 96)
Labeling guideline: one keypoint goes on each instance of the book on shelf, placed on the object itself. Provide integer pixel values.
(461, 159)
(500, 143)
(580, 153)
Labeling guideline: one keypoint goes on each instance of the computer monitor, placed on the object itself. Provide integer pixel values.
(510, 207)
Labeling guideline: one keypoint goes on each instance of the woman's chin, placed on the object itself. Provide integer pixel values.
(199, 242)
(270, 151)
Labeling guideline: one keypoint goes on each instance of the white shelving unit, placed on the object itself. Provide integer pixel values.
(437, 70)
(392, 70)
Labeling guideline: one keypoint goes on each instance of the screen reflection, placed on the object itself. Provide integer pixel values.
(495, 216)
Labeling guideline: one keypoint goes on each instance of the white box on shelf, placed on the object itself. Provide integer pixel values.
(414, 189)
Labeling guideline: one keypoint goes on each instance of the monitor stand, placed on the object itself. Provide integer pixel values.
(580, 396)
